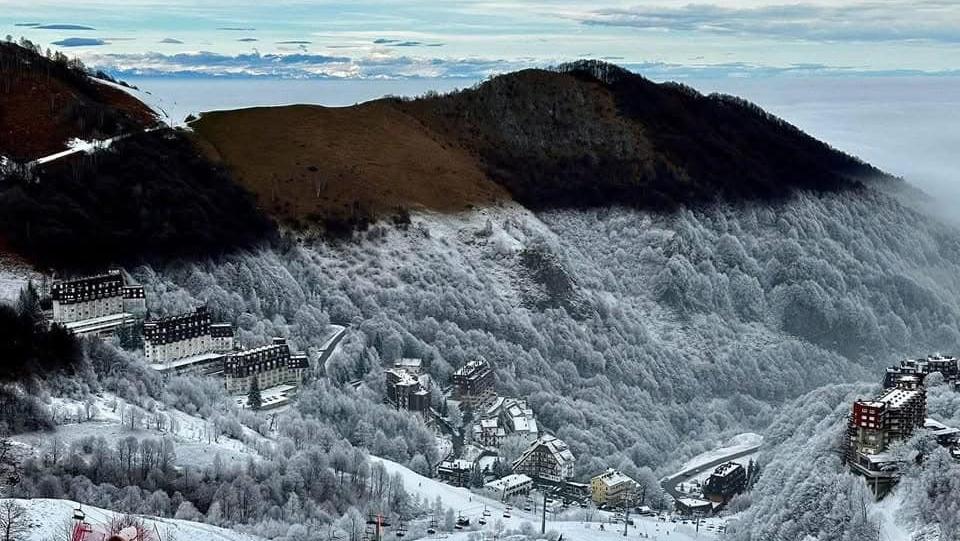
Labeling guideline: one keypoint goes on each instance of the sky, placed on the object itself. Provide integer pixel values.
(458, 39)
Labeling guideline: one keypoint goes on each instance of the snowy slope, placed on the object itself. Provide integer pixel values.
(571, 523)
(49, 519)
(192, 435)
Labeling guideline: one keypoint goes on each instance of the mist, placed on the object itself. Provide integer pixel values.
(907, 126)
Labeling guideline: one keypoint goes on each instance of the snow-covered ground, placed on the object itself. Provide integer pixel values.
(571, 523)
(14, 275)
(195, 444)
(736, 444)
(52, 519)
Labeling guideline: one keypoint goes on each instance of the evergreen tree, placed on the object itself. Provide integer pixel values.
(28, 304)
(254, 400)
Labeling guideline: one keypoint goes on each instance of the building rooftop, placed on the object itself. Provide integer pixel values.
(472, 368)
(457, 464)
(726, 469)
(614, 477)
(511, 481)
(896, 398)
(409, 363)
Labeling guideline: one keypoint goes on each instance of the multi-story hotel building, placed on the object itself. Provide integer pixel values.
(875, 424)
(473, 383)
(187, 343)
(406, 391)
(547, 458)
(612, 487)
(271, 365)
(95, 304)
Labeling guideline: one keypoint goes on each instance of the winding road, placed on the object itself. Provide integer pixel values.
(670, 484)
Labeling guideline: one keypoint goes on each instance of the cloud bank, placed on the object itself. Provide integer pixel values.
(889, 21)
(303, 65)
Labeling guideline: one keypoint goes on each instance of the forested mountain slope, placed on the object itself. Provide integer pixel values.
(655, 334)
(47, 100)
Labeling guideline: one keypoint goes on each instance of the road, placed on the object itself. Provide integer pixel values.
(88, 147)
(669, 484)
(330, 346)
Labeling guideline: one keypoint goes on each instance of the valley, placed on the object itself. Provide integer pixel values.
(573, 288)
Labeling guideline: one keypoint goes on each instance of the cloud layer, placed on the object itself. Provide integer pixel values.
(895, 20)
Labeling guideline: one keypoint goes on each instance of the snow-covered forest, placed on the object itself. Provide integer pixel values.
(641, 339)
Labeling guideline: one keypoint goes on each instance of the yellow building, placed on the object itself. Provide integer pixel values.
(611, 487)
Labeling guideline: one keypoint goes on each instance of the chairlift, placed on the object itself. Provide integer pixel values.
(78, 514)
(482, 521)
(432, 529)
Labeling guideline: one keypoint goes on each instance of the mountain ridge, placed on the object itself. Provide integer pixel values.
(586, 134)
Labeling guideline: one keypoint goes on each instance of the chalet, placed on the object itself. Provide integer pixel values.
(612, 487)
(548, 458)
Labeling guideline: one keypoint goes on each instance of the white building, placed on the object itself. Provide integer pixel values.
(509, 486)
(504, 417)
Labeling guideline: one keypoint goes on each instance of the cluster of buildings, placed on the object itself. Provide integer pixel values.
(724, 482)
(188, 343)
(895, 415)
(506, 416)
(948, 367)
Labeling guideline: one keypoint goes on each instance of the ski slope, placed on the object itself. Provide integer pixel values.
(570, 523)
(51, 519)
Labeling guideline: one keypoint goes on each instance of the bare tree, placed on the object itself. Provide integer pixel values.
(13, 521)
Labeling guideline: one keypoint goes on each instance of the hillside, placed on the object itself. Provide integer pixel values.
(47, 101)
(584, 135)
(150, 197)
(131, 191)
(308, 162)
